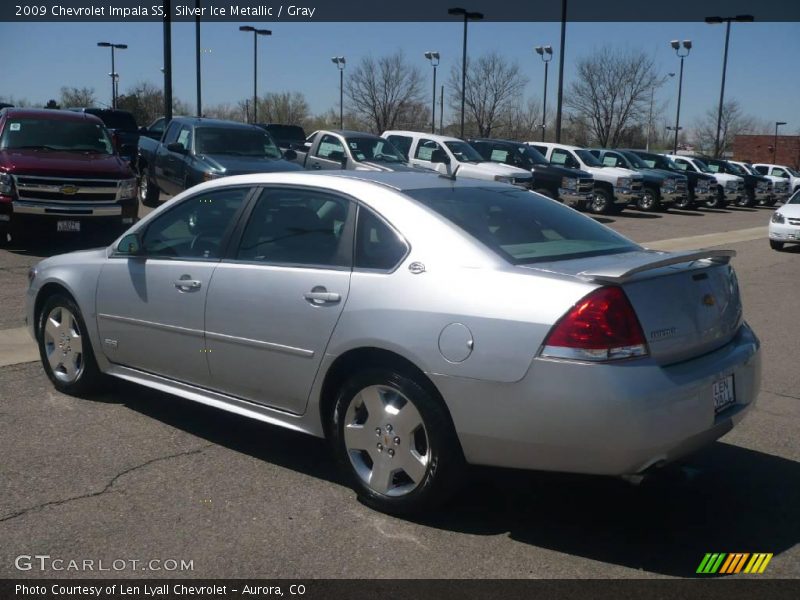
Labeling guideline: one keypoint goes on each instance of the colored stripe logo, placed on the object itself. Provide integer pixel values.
(737, 562)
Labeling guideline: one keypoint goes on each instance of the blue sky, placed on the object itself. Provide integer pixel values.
(762, 62)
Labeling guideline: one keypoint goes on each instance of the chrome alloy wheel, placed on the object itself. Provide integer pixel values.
(386, 441)
(63, 345)
(144, 183)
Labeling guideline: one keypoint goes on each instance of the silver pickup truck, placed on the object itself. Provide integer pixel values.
(353, 150)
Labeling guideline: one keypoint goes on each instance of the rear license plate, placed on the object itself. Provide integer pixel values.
(723, 392)
(68, 226)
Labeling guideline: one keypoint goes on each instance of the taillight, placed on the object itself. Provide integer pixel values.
(602, 326)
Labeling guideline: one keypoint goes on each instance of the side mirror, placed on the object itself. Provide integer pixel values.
(130, 245)
(176, 147)
(143, 130)
(440, 156)
(290, 154)
(345, 161)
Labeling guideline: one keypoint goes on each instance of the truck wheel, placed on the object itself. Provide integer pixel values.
(649, 201)
(716, 201)
(602, 202)
(685, 202)
(148, 190)
(748, 200)
(776, 245)
(3, 237)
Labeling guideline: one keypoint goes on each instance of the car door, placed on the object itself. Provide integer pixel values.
(328, 155)
(150, 307)
(165, 161)
(274, 302)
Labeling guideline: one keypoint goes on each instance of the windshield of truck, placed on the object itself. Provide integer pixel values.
(737, 170)
(704, 168)
(117, 119)
(655, 161)
(589, 159)
(794, 172)
(55, 134)
(235, 141)
(464, 152)
(635, 160)
(519, 226)
(374, 150)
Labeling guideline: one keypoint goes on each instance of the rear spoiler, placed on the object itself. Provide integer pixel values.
(627, 267)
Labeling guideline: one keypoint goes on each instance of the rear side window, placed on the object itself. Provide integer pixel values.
(521, 227)
(377, 245)
(402, 143)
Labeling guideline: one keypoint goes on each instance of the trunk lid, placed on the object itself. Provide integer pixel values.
(687, 303)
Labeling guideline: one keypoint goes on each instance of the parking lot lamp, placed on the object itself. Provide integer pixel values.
(682, 50)
(468, 16)
(113, 71)
(727, 21)
(546, 54)
(434, 58)
(339, 61)
(256, 33)
(775, 143)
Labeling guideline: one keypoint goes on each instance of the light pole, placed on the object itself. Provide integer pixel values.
(687, 46)
(650, 115)
(434, 58)
(256, 33)
(561, 68)
(546, 54)
(727, 21)
(113, 71)
(468, 16)
(340, 62)
(676, 130)
(197, 57)
(775, 143)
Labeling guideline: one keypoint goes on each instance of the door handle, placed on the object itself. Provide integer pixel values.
(186, 284)
(322, 297)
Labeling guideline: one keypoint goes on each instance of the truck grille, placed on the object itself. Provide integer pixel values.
(637, 185)
(740, 187)
(585, 185)
(64, 189)
(681, 186)
(781, 186)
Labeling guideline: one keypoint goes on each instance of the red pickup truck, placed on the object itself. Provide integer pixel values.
(60, 172)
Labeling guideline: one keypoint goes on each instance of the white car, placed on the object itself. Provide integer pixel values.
(780, 185)
(730, 188)
(784, 226)
(614, 187)
(782, 171)
(462, 160)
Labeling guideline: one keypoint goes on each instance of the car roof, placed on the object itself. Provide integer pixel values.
(97, 110)
(557, 145)
(512, 142)
(428, 136)
(208, 122)
(49, 113)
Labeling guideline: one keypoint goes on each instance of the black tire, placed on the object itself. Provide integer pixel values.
(88, 377)
(717, 200)
(3, 237)
(148, 190)
(650, 201)
(776, 245)
(771, 201)
(685, 202)
(545, 192)
(747, 200)
(443, 459)
(602, 202)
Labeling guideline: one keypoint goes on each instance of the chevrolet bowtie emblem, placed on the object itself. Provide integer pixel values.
(69, 190)
(708, 300)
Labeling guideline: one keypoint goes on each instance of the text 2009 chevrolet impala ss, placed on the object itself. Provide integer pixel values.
(418, 322)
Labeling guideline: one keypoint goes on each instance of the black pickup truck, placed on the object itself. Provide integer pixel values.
(757, 189)
(193, 150)
(122, 126)
(701, 188)
(572, 187)
(286, 136)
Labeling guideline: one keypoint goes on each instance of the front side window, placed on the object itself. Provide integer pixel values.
(298, 227)
(521, 227)
(564, 158)
(463, 152)
(683, 165)
(172, 133)
(184, 137)
(196, 228)
(374, 149)
(54, 134)
(377, 245)
(330, 148)
(425, 149)
(779, 172)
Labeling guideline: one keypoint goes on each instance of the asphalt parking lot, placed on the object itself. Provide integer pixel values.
(138, 475)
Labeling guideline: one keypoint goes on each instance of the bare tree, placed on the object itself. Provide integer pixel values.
(493, 86)
(227, 111)
(145, 101)
(518, 122)
(77, 97)
(612, 92)
(288, 108)
(381, 90)
(734, 122)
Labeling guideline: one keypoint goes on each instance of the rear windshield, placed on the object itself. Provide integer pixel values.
(287, 133)
(235, 141)
(521, 227)
(121, 120)
(54, 134)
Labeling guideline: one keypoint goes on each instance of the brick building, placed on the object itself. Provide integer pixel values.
(759, 149)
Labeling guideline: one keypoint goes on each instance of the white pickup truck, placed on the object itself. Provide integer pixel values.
(782, 171)
(730, 188)
(464, 160)
(614, 187)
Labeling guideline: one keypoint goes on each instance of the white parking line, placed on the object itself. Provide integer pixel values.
(16, 346)
(708, 240)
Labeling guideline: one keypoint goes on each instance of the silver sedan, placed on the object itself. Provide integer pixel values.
(418, 322)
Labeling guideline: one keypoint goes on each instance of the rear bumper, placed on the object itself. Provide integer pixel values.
(608, 419)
